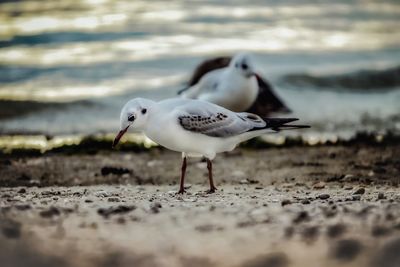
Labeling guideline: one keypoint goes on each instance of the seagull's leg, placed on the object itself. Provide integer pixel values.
(183, 171)
(210, 177)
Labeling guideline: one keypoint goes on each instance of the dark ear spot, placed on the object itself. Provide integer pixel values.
(144, 111)
(131, 117)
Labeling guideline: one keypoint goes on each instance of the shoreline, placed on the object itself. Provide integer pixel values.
(20, 144)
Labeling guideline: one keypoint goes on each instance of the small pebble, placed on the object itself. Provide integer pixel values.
(378, 231)
(121, 209)
(23, 207)
(244, 181)
(22, 191)
(52, 211)
(324, 196)
(349, 177)
(359, 191)
(11, 229)
(319, 185)
(113, 199)
(121, 220)
(334, 231)
(301, 217)
(286, 202)
(155, 207)
(102, 194)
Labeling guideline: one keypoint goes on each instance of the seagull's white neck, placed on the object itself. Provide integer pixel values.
(234, 72)
(152, 108)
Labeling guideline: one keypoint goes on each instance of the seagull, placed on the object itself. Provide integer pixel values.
(234, 87)
(196, 128)
(200, 86)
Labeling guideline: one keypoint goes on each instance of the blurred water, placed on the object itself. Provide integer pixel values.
(109, 51)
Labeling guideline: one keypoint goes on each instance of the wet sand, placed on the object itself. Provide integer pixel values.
(298, 206)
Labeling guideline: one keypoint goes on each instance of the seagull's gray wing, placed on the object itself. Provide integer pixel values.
(215, 121)
(208, 83)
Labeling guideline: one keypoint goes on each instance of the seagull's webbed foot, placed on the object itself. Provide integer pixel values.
(181, 192)
(211, 190)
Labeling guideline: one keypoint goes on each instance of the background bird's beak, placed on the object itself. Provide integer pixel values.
(251, 74)
(118, 137)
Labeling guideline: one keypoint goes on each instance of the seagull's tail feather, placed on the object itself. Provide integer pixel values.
(278, 124)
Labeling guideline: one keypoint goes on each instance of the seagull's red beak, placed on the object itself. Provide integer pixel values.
(118, 137)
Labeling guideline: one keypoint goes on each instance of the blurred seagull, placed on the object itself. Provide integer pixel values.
(210, 73)
(234, 87)
(196, 128)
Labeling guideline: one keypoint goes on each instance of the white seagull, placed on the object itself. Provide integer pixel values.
(234, 87)
(194, 127)
(267, 101)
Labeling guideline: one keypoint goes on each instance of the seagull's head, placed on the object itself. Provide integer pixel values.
(133, 116)
(243, 63)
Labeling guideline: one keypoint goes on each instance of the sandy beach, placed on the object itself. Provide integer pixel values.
(295, 206)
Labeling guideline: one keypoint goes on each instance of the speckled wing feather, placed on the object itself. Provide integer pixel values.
(220, 123)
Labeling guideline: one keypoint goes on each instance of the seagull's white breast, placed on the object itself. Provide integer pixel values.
(166, 131)
(235, 92)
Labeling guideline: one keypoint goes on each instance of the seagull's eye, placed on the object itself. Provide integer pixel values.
(245, 66)
(144, 111)
(131, 117)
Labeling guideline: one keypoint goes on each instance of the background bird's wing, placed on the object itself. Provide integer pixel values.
(207, 83)
(267, 101)
(214, 121)
(207, 66)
